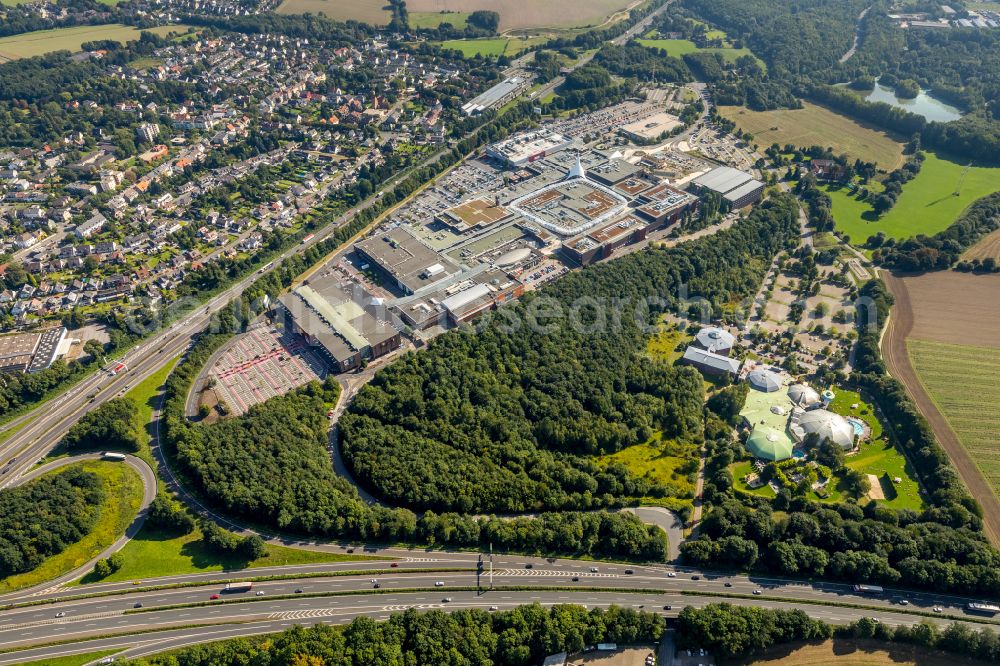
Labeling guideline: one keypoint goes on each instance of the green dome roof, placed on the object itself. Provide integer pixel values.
(769, 444)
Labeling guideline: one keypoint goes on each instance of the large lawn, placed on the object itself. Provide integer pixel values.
(434, 19)
(963, 383)
(815, 125)
(123, 491)
(491, 47)
(852, 652)
(40, 42)
(680, 47)
(154, 553)
(926, 206)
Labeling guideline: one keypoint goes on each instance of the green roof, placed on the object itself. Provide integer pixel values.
(769, 444)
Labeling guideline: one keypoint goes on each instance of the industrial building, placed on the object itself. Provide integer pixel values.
(737, 188)
(710, 363)
(347, 327)
(410, 264)
(527, 147)
(497, 96)
(32, 352)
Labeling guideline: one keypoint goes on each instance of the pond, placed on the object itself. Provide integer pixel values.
(923, 104)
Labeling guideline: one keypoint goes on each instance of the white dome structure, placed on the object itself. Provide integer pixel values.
(803, 395)
(764, 379)
(715, 339)
(826, 424)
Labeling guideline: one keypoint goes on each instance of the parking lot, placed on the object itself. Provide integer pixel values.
(262, 363)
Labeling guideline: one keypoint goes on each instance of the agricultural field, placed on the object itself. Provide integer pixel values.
(815, 125)
(927, 205)
(680, 47)
(366, 11)
(956, 308)
(852, 652)
(988, 247)
(962, 382)
(40, 42)
(520, 15)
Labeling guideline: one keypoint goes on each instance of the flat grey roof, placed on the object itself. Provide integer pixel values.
(613, 171)
(723, 179)
(403, 256)
(743, 190)
(19, 344)
(710, 360)
(498, 92)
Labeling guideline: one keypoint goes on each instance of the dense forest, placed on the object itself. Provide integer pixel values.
(114, 425)
(523, 636)
(505, 418)
(45, 516)
(300, 493)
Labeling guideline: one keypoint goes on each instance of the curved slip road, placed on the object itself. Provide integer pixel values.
(897, 360)
(148, 493)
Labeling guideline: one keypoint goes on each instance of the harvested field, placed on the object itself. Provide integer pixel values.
(989, 246)
(852, 652)
(816, 125)
(367, 11)
(519, 15)
(962, 382)
(945, 307)
(958, 308)
(876, 492)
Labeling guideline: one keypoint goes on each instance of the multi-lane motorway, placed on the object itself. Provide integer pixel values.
(170, 612)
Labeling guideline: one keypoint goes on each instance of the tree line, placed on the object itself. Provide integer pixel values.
(523, 636)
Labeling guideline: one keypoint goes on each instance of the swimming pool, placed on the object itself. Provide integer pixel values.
(859, 425)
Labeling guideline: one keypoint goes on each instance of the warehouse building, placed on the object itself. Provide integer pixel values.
(737, 188)
(410, 264)
(346, 327)
(497, 96)
(32, 352)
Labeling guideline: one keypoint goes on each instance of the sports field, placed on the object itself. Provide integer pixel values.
(40, 42)
(962, 382)
(679, 47)
(520, 15)
(927, 205)
(367, 11)
(817, 126)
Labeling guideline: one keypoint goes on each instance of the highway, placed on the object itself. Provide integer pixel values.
(314, 595)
